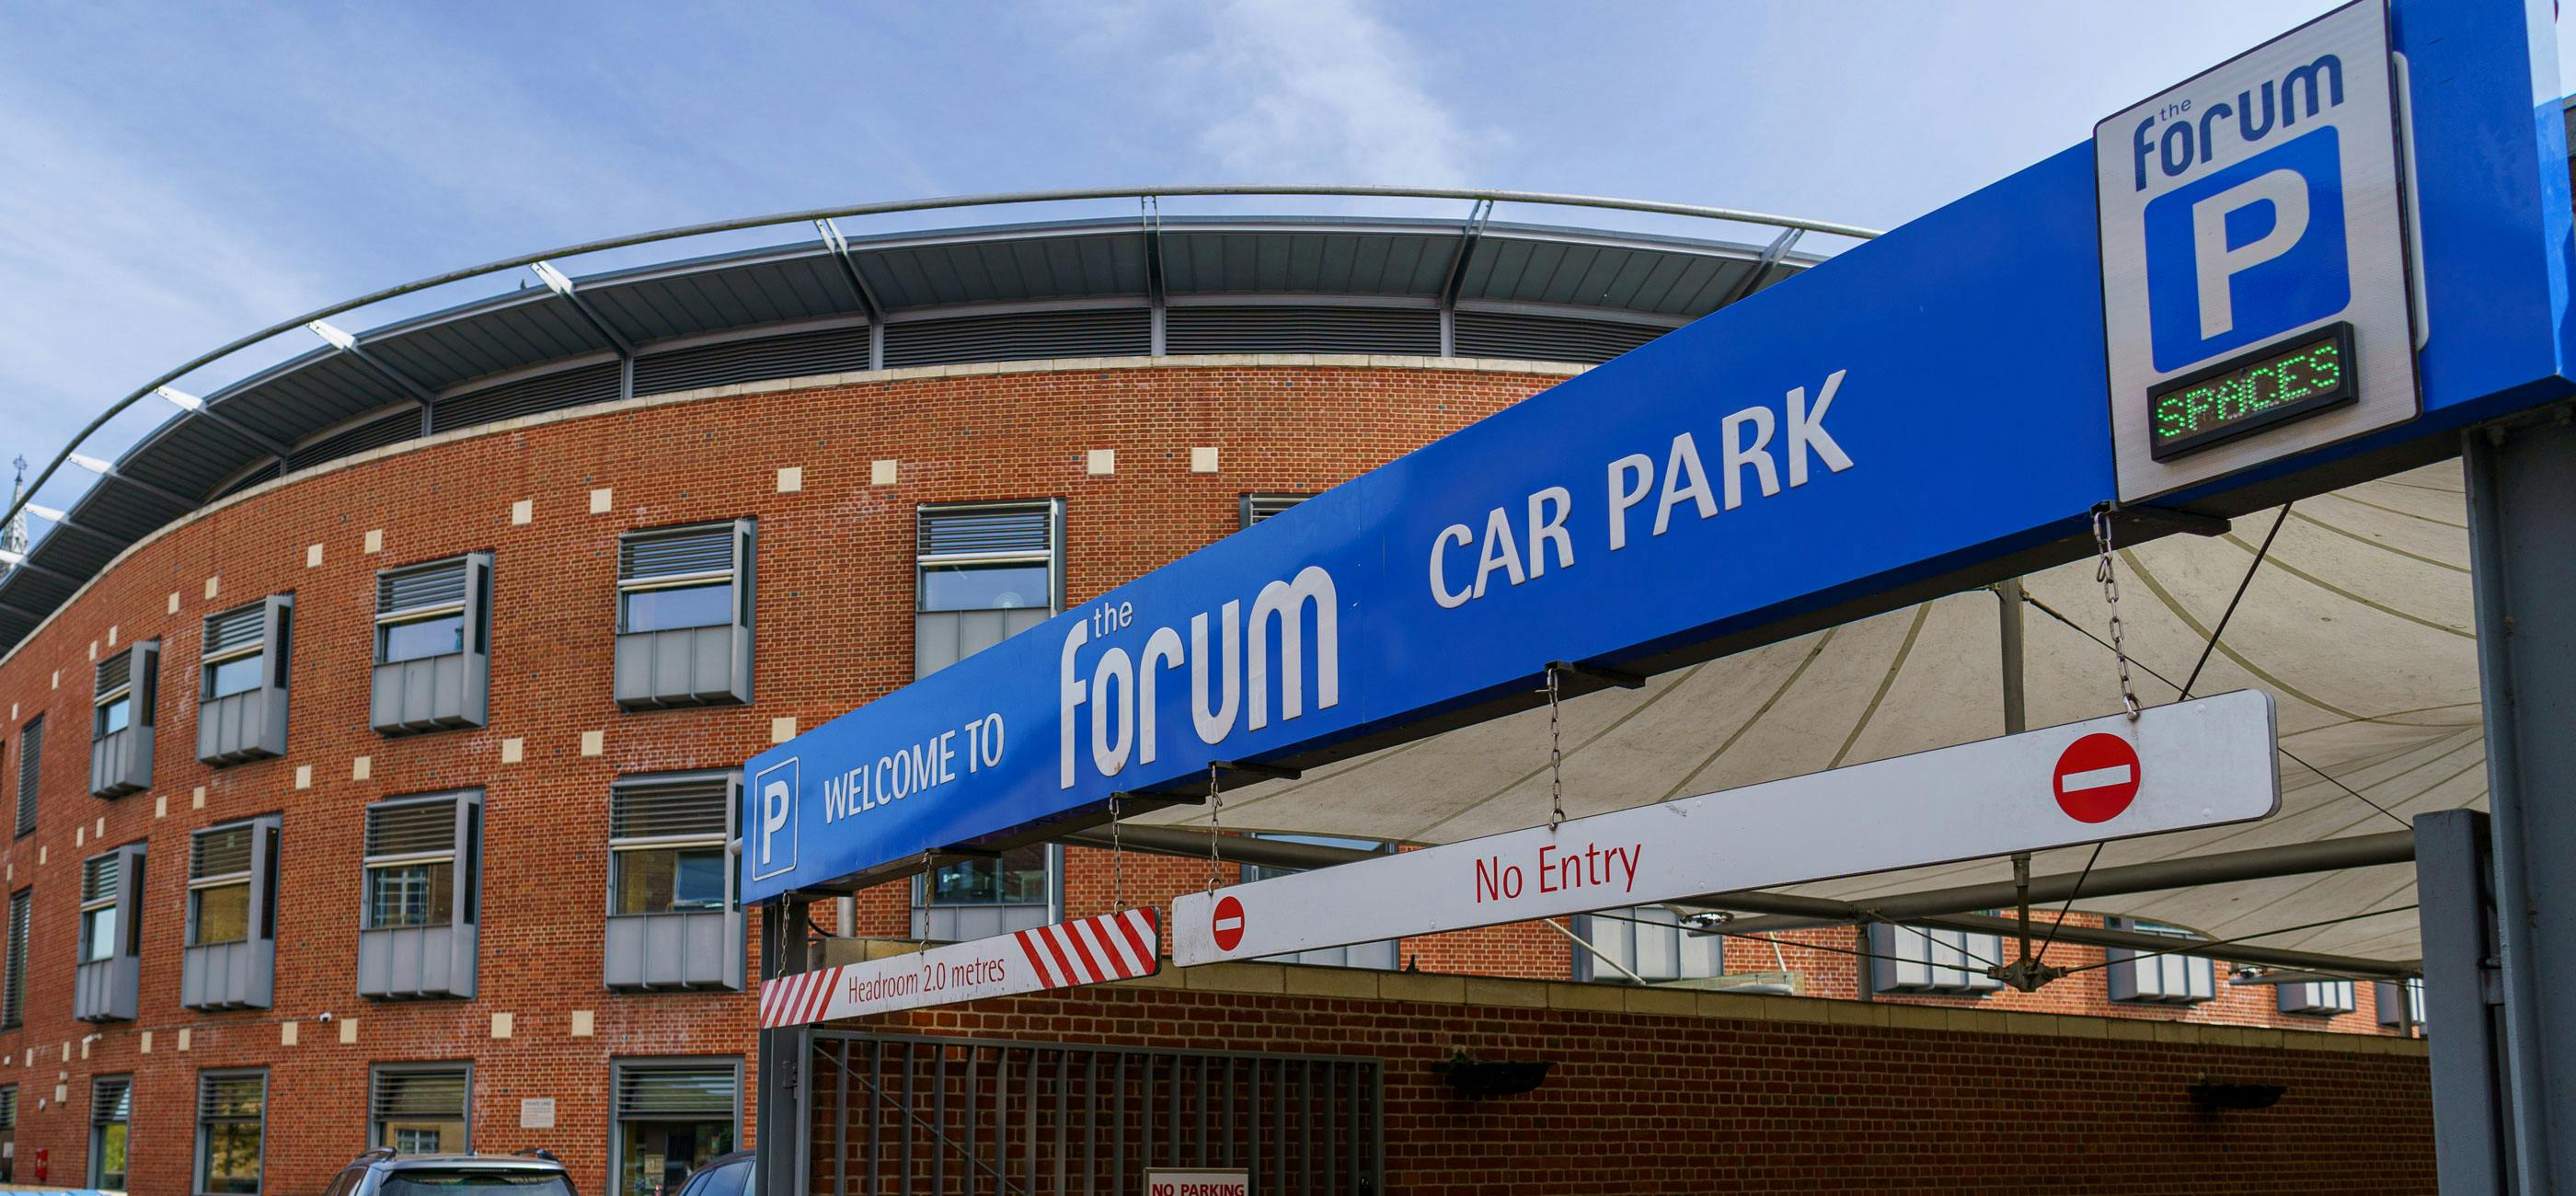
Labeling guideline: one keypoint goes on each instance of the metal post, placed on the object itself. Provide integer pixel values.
(783, 1119)
(2521, 484)
(2470, 1125)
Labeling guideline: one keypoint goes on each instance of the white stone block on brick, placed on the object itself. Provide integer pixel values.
(303, 776)
(1203, 459)
(782, 729)
(348, 1030)
(791, 478)
(286, 1034)
(881, 472)
(362, 768)
(513, 750)
(376, 541)
(312, 556)
(500, 1025)
(523, 511)
(594, 742)
(602, 500)
(1103, 462)
(214, 585)
(583, 1022)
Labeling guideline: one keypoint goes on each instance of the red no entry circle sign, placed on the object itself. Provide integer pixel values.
(1227, 924)
(2097, 777)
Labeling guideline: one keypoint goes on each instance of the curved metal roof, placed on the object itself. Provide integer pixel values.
(836, 303)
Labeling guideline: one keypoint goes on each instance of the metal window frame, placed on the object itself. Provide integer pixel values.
(97, 1153)
(142, 685)
(465, 1113)
(460, 855)
(1052, 557)
(263, 895)
(463, 563)
(617, 1066)
(197, 1169)
(31, 772)
(1630, 922)
(13, 967)
(731, 529)
(1054, 899)
(8, 1108)
(1245, 502)
(733, 814)
(2118, 957)
(127, 901)
(276, 613)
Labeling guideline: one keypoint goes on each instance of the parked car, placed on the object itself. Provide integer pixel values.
(382, 1172)
(724, 1175)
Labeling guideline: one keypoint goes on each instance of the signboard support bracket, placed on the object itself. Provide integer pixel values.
(2166, 521)
(1600, 677)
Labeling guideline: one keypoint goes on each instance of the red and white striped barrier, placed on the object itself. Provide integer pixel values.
(1069, 954)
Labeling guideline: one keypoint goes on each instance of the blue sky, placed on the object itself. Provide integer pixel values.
(173, 176)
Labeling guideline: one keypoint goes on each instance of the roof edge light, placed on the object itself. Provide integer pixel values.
(178, 398)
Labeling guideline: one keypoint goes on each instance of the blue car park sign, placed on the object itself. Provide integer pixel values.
(2215, 306)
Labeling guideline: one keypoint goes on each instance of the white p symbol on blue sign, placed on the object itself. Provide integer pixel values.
(775, 852)
(2248, 252)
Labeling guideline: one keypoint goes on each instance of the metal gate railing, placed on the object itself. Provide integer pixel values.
(903, 1114)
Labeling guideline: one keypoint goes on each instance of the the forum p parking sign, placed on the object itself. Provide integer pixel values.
(2255, 281)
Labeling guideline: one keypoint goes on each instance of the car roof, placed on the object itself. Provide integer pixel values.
(485, 1162)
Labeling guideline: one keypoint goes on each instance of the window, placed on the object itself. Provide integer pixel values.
(31, 760)
(986, 572)
(677, 577)
(99, 939)
(411, 864)
(121, 720)
(13, 987)
(1380, 954)
(1021, 876)
(1648, 940)
(420, 611)
(2318, 998)
(1916, 959)
(671, 1116)
(232, 1112)
(420, 1109)
(111, 1108)
(221, 905)
(116, 693)
(237, 649)
(1257, 507)
(8, 1129)
(667, 844)
(2172, 979)
(684, 603)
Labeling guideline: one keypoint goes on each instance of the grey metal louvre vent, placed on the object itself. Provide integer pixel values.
(672, 1090)
(111, 1098)
(1413, 331)
(418, 1094)
(99, 874)
(412, 827)
(977, 531)
(1021, 336)
(392, 429)
(115, 671)
(707, 548)
(528, 396)
(835, 351)
(1547, 338)
(9, 1107)
(639, 809)
(31, 766)
(440, 584)
(236, 628)
(224, 851)
(228, 1096)
(1257, 507)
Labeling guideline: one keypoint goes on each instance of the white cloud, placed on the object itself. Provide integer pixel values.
(1322, 91)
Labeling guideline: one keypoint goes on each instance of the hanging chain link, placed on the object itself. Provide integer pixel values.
(1555, 755)
(1117, 858)
(2105, 572)
(1216, 825)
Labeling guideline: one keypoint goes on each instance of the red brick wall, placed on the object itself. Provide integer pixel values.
(1688, 1104)
(834, 629)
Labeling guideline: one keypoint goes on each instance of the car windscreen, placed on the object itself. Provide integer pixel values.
(476, 1183)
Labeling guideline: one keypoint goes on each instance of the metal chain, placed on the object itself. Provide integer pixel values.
(1117, 858)
(2105, 572)
(1216, 825)
(1555, 756)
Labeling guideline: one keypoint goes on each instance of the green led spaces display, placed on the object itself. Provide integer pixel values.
(2279, 382)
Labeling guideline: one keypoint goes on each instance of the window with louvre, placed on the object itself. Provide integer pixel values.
(241, 682)
(31, 762)
(13, 986)
(2169, 978)
(8, 1107)
(121, 720)
(99, 908)
(421, 1109)
(433, 646)
(666, 843)
(228, 902)
(2400, 1003)
(2317, 998)
(111, 1109)
(413, 849)
(1917, 959)
(1645, 943)
(670, 1117)
(684, 615)
(1257, 507)
(232, 1115)
(420, 611)
(986, 572)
